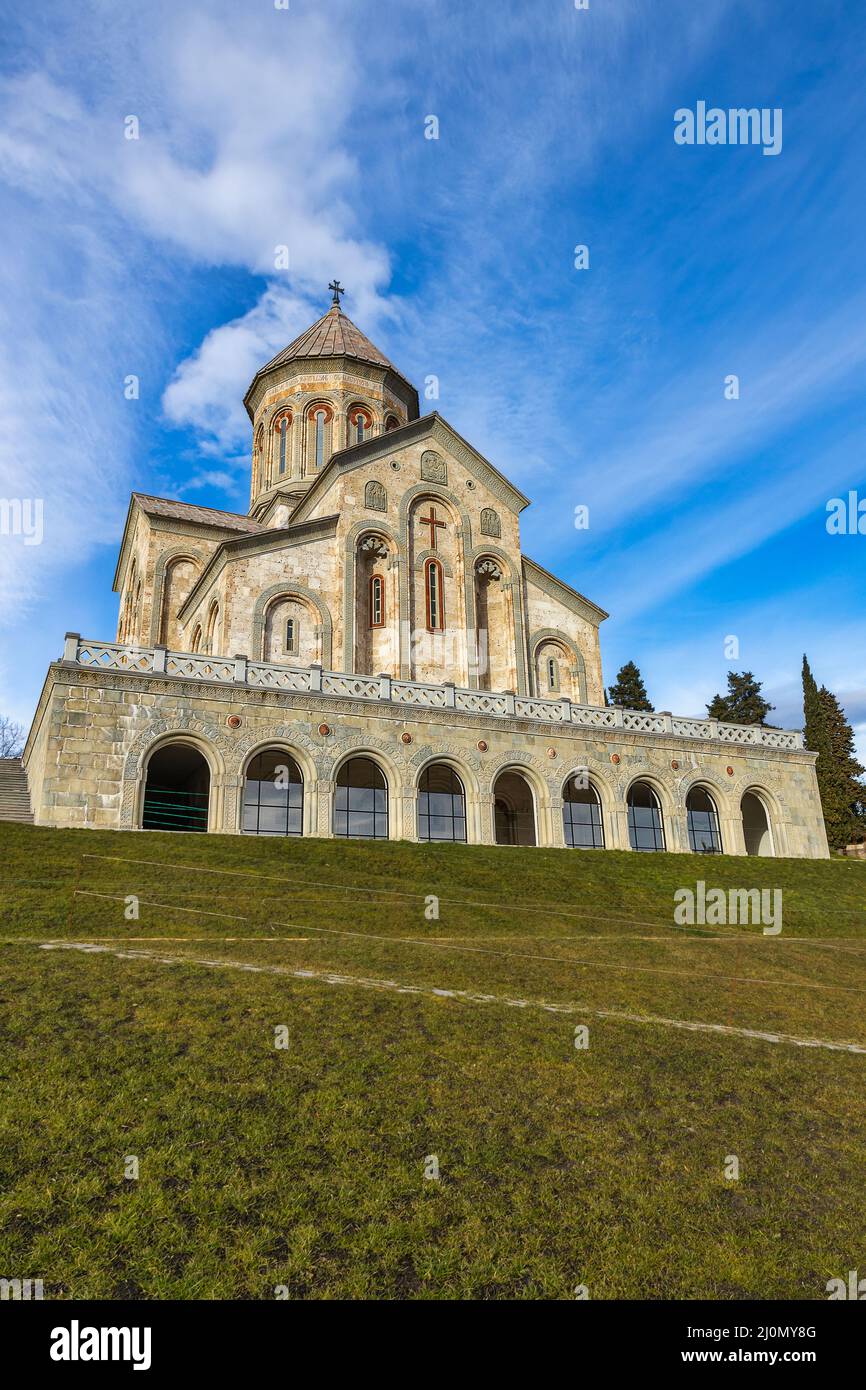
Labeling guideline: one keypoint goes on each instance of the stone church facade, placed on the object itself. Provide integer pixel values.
(368, 652)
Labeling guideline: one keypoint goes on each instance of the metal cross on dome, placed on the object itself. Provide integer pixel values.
(338, 290)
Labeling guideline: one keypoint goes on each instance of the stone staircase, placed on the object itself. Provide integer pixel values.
(14, 791)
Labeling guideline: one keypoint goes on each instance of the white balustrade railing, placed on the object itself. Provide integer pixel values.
(239, 670)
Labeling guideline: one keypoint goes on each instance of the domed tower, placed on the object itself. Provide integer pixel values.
(329, 389)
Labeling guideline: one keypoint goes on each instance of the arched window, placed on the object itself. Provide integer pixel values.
(441, 804)
(645, 827)
(703, 821)
(292, 636)
(360, 425)
(282, 425)
(377, 601)
(195, 645)
(320, 420)
(391, 423)
(361, 801)
(273, 795)
(552, 674)
(435, 596)
(581, 814)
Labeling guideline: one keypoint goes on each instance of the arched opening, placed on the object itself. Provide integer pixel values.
(361, 801)
(177, 790)
(179, 577)
(646, 830)
(513, 810)
(319, 418)
(756, 826)
(282, 444)
(581, 814)
(360, 425)
(494, 645)
(441, 804)
(703, 822)
(292, 632)
(375, 616)
(391, 423)
(555, 671)
(273, 795)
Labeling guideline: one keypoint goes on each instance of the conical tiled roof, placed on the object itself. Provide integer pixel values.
(334, 335)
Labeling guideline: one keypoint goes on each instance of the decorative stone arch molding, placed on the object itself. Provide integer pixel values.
(608, 788)
(292, 740)
(288, 589)
(664, 783)
(401, 794)
(166, 558)
(467, 766)
(437, 493)
(424, 555)
(353, 535)
(699, 777)
(512, 578)
(730, 832)
(765, 787)
(578, 664)
(202, 734)
(542, 784)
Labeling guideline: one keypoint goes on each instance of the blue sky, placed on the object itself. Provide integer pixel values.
(604, 387)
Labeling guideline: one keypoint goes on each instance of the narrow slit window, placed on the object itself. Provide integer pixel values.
(435, 596)
(377, 601)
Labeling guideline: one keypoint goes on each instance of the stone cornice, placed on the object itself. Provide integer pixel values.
(69, 673)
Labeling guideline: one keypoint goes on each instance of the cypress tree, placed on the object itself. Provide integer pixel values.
(845, 804)
(629, 691)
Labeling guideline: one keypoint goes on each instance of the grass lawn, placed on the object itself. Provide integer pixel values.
(410, 1036)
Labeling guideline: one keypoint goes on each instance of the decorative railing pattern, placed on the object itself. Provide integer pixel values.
(239, 670)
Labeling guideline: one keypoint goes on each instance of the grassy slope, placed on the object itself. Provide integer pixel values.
(305, 1166)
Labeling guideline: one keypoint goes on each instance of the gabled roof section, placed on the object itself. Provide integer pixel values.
(333, 335)
(577, 602)
(166, 507)
(270, 538)
(202, 516)
(434, 427)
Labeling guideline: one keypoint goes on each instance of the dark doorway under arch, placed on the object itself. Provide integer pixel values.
(177, 790)
(513, 811)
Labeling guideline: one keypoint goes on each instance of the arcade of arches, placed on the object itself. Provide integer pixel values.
(178, 784)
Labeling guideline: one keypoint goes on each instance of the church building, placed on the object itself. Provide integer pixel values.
(368, 652)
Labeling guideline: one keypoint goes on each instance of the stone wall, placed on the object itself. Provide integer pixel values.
(87, 754)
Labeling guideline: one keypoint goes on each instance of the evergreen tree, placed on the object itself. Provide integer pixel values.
(843, 795)
(743, 704)
(827, 732)
(629, 691)
(814, 734)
